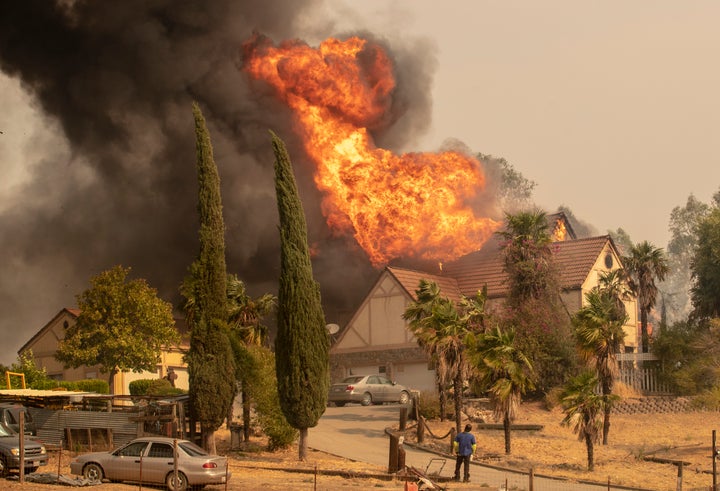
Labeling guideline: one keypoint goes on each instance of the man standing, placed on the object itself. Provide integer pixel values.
(464, 447)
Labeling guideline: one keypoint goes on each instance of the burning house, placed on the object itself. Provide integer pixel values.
(377, 338)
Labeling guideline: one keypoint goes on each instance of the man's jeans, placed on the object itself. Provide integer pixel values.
(463, 460)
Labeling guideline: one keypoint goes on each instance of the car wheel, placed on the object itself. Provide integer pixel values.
(367, 399)
(30, 470)
(93, 473)
(339, 404)
(3, 467)
(180, 485)
(404, 397)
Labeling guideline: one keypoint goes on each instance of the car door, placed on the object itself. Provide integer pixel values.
(388, 388)
(158, 462)
(125, 463)
(372, 386)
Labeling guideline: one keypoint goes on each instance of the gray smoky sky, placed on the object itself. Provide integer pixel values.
(118, 79)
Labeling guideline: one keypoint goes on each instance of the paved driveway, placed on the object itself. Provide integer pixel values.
(358, 432)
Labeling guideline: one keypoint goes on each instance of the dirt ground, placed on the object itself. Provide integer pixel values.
(553, 450)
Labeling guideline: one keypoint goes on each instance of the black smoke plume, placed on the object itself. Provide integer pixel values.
(119, 79)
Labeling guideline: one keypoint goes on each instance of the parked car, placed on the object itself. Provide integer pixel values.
(368, 389)
(35, 452)
(150, 460)
(10, 417)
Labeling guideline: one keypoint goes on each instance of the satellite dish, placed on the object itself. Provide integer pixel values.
(332, 328)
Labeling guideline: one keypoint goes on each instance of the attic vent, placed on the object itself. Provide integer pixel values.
(65, 325)
(608, 261)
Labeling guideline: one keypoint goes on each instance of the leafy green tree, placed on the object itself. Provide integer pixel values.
(260, 384)
(123, 326)
(644, 264)
(683, 225)
(533, 307)
(440, 328)
(600, 336)
(302, 343)
(705, 267)
(503, 370)
(211, 365)
(515, 190)
(583, 408)
(35, 378)
(622, 240)
(245, 315)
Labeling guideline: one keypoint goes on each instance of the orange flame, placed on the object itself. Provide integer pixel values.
(410, 205)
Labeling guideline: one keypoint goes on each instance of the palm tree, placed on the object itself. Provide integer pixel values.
(245, 316)
(645, 263)
(504, 370)
(440, 328)
(527, 254)
(600, 336)
(582, 408)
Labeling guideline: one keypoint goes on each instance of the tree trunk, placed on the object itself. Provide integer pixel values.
(111, 381)
(457, 389)
(506, 430)
(442, 399)
(590, 453)
(208, 440)
(607, 408)
(303, 444)
(246, 415)
(645, 338)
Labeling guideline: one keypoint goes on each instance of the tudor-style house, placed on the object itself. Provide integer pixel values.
(44, 345)
(377, 338)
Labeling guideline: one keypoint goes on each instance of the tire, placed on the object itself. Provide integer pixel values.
(30, 470)
(182, 484)
(367, 399)
(404, 397)
(339, 404)
(93, 473)
(3, 467)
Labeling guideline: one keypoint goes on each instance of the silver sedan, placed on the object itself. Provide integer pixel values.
(368, 389)
(150, 460)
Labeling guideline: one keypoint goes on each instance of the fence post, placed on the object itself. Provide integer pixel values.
(403, 418)
(393, 457)
(679, 477)
(420, 429)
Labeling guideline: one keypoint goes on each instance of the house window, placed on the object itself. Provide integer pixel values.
(382, 369)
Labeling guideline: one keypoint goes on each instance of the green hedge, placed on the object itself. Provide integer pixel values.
(88, 385)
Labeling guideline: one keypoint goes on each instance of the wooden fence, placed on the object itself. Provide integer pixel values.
(640, 371)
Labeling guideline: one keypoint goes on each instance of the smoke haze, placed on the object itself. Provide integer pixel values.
(118, 79)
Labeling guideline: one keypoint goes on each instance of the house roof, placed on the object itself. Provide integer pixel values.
(574, 260)
(410, 279)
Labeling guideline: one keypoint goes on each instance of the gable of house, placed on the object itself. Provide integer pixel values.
(44, 345)
(377, 340)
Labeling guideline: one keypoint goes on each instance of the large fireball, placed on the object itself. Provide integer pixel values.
(414, 205)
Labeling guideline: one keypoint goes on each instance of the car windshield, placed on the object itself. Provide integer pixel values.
(353, 380)
(132, 449)
(192, 449)
(5, 431)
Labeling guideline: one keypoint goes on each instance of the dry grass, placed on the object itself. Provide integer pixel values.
(554, 450)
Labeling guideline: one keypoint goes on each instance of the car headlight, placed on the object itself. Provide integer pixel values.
(43, 450)
(15, 451)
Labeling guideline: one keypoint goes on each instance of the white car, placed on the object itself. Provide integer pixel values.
(368, 389)
(150, 460)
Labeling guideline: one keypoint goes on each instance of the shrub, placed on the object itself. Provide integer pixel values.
(708, 400)
(140, 387)
(163, 387)
(88, 385)
(429, 404)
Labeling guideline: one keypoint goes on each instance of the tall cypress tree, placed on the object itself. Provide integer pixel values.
(301, 345)
(211, 365)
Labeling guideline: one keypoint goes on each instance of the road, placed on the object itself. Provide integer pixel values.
(357, 432)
